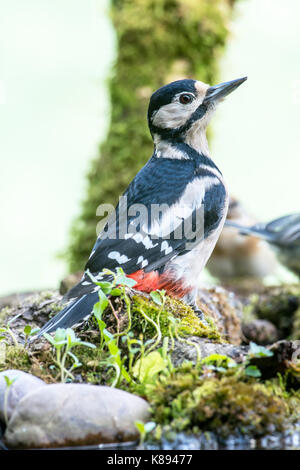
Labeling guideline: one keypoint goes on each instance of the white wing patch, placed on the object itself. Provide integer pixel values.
(142, 261)
(121, 259)
(146, 240)
(191, 199)
(166, 248)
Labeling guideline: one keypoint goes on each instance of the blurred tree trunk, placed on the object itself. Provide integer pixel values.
(158, 41)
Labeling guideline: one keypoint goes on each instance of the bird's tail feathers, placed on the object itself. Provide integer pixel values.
(73, 314)
(255, 230)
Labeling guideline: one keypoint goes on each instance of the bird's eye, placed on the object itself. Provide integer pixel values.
(185, 98)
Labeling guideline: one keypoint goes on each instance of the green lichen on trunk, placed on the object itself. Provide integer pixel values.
(158, 41)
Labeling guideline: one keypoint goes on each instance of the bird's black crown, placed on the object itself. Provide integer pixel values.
(166, 93)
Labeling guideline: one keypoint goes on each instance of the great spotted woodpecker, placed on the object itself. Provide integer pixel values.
(282, 234)
(182, 202)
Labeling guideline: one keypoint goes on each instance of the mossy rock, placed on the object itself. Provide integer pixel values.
(187, 401)
(190, 324)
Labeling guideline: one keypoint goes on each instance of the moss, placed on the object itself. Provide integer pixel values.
(190, 401)
(158, 41)
(16, 358)
(208, 396)
(38, 364)
(189, 323)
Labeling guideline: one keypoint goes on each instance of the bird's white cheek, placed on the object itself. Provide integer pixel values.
(172, 115)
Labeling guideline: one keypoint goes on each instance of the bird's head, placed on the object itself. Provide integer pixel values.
(184, 107)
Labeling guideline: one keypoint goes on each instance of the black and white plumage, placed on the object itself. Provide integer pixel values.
(283, 234)
(183, 182)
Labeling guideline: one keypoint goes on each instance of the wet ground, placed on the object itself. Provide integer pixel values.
(289, 440)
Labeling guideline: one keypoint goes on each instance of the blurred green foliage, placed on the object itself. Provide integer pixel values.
(158, 41)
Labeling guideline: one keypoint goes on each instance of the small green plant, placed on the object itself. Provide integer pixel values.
(255, 351)
(29, 331)
(115, 359)
(63, 341)
(9, 383)
(218, 363)
(144, 429)
(259, 351)
(116, 287)
(144, 359)
(223, 364)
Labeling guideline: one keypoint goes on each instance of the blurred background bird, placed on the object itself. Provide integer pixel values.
(282, 234)
(238, 257)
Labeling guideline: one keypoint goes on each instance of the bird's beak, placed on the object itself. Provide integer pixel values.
(217, 92)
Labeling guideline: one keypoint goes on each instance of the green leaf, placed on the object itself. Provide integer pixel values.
(103, 300)
(113, 348)
(49, 338)
(126, 281)
(259, 351)
(220, 361)
(116, 292)
(149, 366)
(100, 306)
(88, 345)
(125, 374)
(106, 287)
(27, 330)
(150, 426)
(101, 325)
(34, 331)
(156, 297)
(60, 335)
(252, 371)
(107, 335)
(9, 381)
(140, 427)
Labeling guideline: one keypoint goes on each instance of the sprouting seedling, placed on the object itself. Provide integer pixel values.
(259, 351)
(98, 310)
(116, 361)
(255, 351)
(219, 363)
(9, 383)
(29, 331)
(144, 429)
(115, 287)
(159, 297)
(252, 371)
(63, 341)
